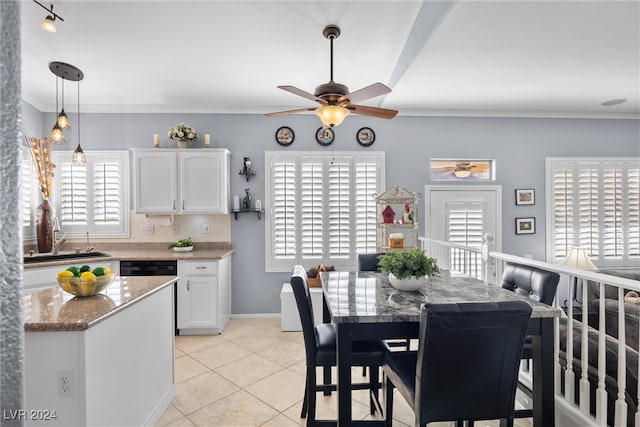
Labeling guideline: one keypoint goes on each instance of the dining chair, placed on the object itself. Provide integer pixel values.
(320, 348)
(536, 284)
(466, 366)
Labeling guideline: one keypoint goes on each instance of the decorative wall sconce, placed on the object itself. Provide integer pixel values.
(246, 168)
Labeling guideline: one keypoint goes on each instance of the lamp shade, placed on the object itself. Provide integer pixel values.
(48, 24)
(579, 258)
(79, 157)
(331, 115)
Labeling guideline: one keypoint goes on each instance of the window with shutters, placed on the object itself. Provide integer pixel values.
(594, 204)
(29, 194)
(93, 197)
(465, 227)
(320, 207)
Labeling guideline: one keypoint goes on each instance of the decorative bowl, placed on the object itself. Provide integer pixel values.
(411, 283)
(183, 249)
(86, 286)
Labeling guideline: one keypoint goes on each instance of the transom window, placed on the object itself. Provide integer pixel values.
(320, 207)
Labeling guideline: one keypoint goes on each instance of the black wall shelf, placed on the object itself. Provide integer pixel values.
(258, 211)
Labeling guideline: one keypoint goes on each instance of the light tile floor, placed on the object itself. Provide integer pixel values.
(253, 375)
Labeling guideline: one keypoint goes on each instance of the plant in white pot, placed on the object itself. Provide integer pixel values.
(408, 270)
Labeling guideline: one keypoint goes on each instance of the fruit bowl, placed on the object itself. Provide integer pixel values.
(86, 286)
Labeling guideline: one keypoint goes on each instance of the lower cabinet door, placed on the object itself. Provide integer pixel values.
(197, 302)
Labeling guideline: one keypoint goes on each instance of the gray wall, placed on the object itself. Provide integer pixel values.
(519, 147)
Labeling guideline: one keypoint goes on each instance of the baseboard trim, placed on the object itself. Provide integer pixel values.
(256, 316)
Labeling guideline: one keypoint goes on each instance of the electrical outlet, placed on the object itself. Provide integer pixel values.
(176, 229)
(65, 383)
(146, 229)
(207, 228)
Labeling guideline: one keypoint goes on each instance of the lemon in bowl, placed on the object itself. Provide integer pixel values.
(87, 283)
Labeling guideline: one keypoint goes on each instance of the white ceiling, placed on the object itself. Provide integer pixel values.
(470, 58)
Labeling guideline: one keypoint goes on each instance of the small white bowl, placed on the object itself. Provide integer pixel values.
(412, 283)
(184, 249)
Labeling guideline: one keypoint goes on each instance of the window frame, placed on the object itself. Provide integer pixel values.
(284, 265)
(583, 163)
(121, 230)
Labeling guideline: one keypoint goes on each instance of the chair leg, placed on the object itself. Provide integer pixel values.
(374, 385)
(311, 396)
(326, 378)
(303, 413)
(388, 399)
(364, 371)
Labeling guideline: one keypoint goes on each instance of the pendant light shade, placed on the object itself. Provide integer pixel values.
(63, 119)
(48, 24)
(331, 115)
(56, 135)
(79, 157)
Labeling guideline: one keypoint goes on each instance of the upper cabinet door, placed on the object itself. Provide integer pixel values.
(204, 183)
(156, 182)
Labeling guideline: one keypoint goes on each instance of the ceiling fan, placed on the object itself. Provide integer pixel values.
(335, 99)
(462, 169)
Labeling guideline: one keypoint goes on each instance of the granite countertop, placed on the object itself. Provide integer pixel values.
(53, 309)
(142, 251)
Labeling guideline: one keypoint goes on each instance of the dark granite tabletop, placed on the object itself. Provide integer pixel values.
(368, 297)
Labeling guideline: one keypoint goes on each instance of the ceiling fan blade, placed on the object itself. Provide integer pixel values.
(367, 92)
(294, 90)
(381, 113)
(284, 113)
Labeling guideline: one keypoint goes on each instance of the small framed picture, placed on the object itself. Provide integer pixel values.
(525, 225)
(526, 197)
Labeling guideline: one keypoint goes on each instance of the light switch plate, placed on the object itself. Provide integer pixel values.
(146, 230)
(207, 229)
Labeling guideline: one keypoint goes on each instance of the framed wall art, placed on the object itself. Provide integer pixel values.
(526, 197)
(285, 136)
(526, 225)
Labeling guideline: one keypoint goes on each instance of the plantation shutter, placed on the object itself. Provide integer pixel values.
(283, 206)
(321, 208)
(465, 224)
(340, 200)
(367, 184)
(595, 205)
(28, 192)
(91, 197)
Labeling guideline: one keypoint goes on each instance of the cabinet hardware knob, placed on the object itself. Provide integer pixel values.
(183, 205)
(174, 205)
(188, 286)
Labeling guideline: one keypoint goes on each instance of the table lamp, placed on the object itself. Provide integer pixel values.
(578, 258)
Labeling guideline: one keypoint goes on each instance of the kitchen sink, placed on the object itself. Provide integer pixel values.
(61, 257)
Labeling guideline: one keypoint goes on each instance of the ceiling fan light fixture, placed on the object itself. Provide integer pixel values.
(331, 115)
(48, 24)
(462, 173)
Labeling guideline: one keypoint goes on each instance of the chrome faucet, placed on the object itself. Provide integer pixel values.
(89, 248)
(59, 242)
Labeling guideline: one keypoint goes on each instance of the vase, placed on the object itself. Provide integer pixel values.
(44, 226)
(411, 283)
(182, 143)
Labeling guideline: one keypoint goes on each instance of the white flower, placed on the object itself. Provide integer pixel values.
(182, 131)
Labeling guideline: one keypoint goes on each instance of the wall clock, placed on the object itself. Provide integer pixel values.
(366, 136)
(325, 136)
(285, 135)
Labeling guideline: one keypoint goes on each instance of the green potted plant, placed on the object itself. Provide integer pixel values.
(408, 270)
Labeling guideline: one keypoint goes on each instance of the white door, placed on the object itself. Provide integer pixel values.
(463, 213)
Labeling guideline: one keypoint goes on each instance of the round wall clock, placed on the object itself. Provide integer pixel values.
(285, 136)
(325, 136)
(365, 136)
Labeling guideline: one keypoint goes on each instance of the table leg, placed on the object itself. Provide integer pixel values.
(326, 371)
(343, 349)
(543, 370)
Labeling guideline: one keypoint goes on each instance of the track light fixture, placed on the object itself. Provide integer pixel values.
(49, 22)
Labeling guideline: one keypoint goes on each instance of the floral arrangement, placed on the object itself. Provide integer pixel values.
(41, 155)
(404, 264)
(182, 131)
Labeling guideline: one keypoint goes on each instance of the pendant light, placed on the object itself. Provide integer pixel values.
(63, 119)
(56, 135)
(78, 155)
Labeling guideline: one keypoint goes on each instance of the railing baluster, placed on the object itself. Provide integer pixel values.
(601, 393)
(621, 403)
(569, 376)
(584, 351)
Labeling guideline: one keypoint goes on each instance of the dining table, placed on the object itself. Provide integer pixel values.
(363, 305)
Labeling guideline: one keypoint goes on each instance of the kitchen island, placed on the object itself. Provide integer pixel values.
(100, 360)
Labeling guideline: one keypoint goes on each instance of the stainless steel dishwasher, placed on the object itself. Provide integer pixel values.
(154, 268)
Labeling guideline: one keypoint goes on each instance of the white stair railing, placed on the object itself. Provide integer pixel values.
(463, 259)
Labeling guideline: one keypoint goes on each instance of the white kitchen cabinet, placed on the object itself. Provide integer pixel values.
(204, 296)
(181, 181)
